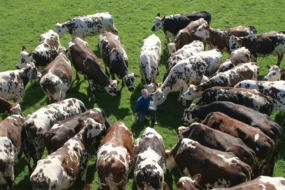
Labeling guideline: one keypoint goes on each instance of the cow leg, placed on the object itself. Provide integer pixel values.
(280, 57)
(28, 150)
(83, 165)
(92, 88)
(184, 89)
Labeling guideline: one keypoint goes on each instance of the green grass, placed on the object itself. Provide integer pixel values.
(22, 22)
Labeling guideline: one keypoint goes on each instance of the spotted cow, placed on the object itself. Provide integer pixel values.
(63, 130)
(173, 23)
(56, 78)
(261, 45)
(10, 147)
(186, 183)
(273, 89)
(48, 48)
(219, 38)
(41, 121)
(254, 138)
(85, 62)
(13, 83)
(115, 157)
(116, 59)
(193, 158)
(60, 169)
(224, 79)
(150, 161)
(274, 73)
(10, 108)
(89, 25)
(249, 98)
(149, 59)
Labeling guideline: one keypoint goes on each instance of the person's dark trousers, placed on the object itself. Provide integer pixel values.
(150, 112)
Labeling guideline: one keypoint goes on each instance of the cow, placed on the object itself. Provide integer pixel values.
(261, 45)
(240, 55)
(115, 157)
(149, 160)
(249, 98)
(10, 147)
(41, 120)
(116, 59)
(85, 62)
(10, 108)
(219, 38)
(274, 73)
(173, 23)
(254, 138)
(56, 78)
(90, 25)
(60, 169)
(193, 158)
(183, 53)
(224, 79)
(149, 59)
(218, 140)
(185, 36)
(62, 131)
(273, 89)
(46, 51)
(13, 82)
(186, 183)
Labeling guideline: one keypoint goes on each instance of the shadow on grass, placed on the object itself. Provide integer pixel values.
(33, 94)
(280, 119)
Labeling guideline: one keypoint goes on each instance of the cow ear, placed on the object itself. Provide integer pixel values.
(163, 18)
(63, 25)
(196, 179)
(282, 71)
(268, 67)
(136, 75)
(187, 111)
(80, 121)
(159, 85)
(207, 27)
(158, 14)
(198, 89)
(24, 48)
(228, 37)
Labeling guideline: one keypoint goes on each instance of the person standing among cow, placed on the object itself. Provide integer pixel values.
(145, 107)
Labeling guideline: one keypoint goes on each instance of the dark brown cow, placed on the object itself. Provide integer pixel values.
(64, 130)
(254, 138)
(217, 168)
(86, 63)
(218, 140)
(116, 59)
(11, 108)
(115, 157)
(10, 147)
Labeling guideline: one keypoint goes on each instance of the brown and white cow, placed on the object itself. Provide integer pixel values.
(116, 59)
(85, 62)
(115, 157)
(219, 38)
(274, 73)
(11, 108)
(48, 48)
(13, 83)
(150, 161)
(89, 25)
(217, 168)
(10, 147)
(225, 79)
(254, 138)
(66, 129)
(261, 45)
(56, 78)
(60, 169)
(41, 121)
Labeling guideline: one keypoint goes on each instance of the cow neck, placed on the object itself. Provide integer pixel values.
(82, 137)
(24, 77)
(123, 69)
(217, 37)
(175, 149)
(165, 88)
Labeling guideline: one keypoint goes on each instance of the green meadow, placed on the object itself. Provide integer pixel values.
(22, 22)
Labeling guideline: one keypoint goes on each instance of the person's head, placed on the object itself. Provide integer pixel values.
(144, 93)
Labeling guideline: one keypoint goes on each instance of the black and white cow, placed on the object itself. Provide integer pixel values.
(60, 169)
(225, 79)
(149, 59)
(42, 120)
(116, 59)
(173, 23)
(13, 83)
(150, 163)
(261, 45)
(274, 73)
(89, 25)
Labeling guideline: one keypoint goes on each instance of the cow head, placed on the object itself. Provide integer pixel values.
(274, 73)
(60, 29)
(186, 183)
(180, 130)
(157, 23)
(129, 80)
(16, 109)
(158, 97)
(187, 117)
(25, 57)
(30, 71)
(112, 88)
(192, 92)
(202, 31)
(78, 40)
(234, 43)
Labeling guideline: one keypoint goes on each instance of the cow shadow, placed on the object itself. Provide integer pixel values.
(33, 94)
(279, 118)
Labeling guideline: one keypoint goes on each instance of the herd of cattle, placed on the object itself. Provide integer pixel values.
(234, 146)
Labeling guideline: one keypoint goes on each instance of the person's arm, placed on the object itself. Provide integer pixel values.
(135, 118)
(136, 112)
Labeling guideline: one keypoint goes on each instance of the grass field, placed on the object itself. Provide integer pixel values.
(22, 22)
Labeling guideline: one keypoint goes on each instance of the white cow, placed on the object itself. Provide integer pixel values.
(274, 73)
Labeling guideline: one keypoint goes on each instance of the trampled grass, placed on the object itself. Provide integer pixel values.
(23, 21)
